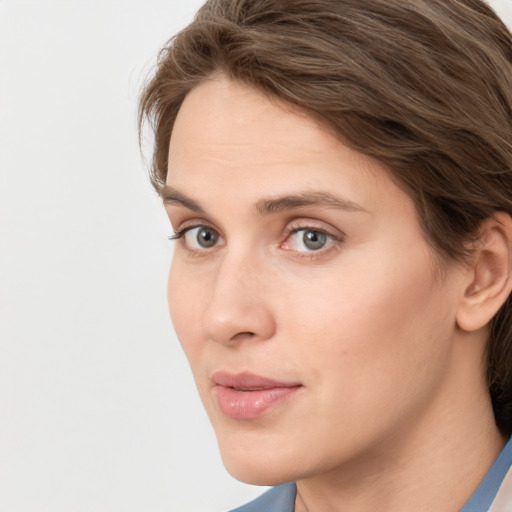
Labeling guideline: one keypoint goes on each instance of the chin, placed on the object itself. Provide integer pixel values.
(259, 472)
(260, 462)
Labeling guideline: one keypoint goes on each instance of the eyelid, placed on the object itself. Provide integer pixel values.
(336, 238)
(188, 225)
(310, 224)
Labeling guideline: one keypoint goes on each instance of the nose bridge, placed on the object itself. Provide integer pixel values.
(240, 269)
(237, 308)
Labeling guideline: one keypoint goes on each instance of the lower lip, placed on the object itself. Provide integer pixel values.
(251, 404)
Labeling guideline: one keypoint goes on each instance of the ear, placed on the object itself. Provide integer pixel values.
(490, 274)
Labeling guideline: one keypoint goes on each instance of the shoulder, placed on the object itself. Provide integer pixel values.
(277, 499)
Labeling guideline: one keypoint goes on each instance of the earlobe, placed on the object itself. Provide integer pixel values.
(490, 274)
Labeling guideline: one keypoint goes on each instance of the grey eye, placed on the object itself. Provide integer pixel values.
(201, 237)
(314, 240)
(206, 237)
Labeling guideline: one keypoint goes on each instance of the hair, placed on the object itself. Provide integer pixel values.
(423, 86)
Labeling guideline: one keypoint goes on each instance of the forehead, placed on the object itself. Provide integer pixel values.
(232, 141)
(221, 115)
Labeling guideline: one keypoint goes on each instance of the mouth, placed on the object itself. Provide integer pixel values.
(246, 396)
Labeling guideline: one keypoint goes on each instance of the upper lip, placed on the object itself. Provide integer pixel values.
(248, 381)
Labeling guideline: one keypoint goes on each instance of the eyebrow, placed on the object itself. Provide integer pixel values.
(172, 196)
(289, 202)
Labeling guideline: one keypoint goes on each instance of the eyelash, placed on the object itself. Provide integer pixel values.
(179, 235)
(335, 240)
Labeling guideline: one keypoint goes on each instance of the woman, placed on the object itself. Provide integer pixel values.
(338, 174)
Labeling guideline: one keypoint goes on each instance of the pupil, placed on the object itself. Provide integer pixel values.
(314, 240)
(206, 238)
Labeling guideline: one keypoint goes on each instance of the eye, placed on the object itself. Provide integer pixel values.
(198, 237)
(201, 237)
(308, 239)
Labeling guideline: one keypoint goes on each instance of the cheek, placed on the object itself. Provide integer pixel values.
(184, 304)
(372, 357)
(373, 326)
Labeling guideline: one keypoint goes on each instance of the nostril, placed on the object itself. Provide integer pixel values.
(243, 335)
(237, 337)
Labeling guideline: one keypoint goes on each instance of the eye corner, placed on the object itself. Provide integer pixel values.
(176, 235)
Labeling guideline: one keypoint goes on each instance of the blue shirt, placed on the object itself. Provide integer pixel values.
(488, 497)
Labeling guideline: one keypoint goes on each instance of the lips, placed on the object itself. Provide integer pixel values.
(246, 396)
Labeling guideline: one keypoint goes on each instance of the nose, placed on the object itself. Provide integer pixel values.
(238, 308)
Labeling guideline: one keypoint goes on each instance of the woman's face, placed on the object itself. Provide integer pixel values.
(302, 289)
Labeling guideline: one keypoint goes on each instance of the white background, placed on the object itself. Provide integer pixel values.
(98, 412)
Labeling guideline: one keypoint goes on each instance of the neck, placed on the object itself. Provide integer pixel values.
(437, 476)
(434, 463)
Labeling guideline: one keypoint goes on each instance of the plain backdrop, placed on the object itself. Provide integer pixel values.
(98, 411)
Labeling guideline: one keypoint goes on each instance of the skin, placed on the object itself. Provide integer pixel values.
(392, 389)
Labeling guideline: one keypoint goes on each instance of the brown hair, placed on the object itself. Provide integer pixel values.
(424, 86)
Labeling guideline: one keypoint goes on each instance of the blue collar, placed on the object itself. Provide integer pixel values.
(486, 492)
(278, 499)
